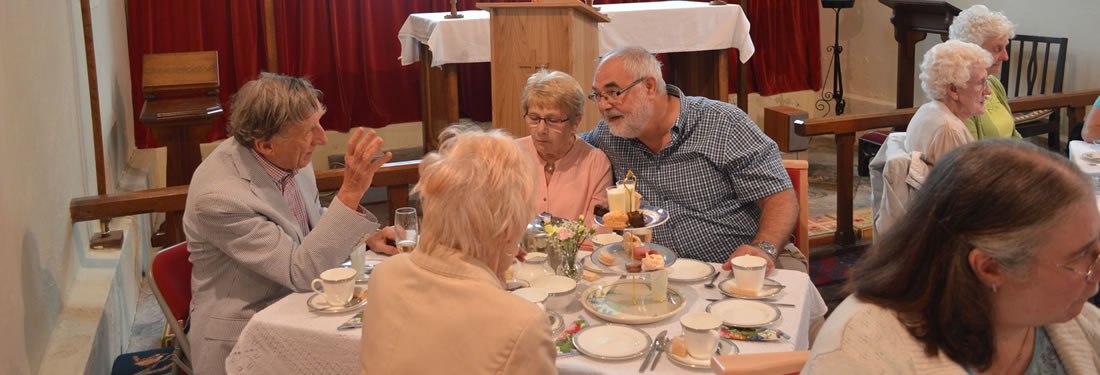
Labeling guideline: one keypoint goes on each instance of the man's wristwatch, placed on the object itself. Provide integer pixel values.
(768, 248)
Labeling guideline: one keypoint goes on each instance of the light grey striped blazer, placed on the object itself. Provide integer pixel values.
(248, 250)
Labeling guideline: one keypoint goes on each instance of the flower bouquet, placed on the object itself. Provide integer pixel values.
(566, 238)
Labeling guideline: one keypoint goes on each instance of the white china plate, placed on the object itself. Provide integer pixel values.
(622, 258)
(605, 239)
(1091, 156)
(654, 216)
(318, 304)
(770, 289)
(744, 313)
(690, 270)
(612, 342)
(615, 302)
(725, 347)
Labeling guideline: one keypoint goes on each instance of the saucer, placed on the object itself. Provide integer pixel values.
(690, 270)
(744, 313)
(317, 303)
(769, 289)
(612, 342)
(725, 347)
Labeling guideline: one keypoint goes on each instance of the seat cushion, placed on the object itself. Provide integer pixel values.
(877, 137)
(1032, 116)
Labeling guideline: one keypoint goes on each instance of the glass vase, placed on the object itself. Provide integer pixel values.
(568, 265)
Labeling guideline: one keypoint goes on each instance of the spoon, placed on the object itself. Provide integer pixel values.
(710, 285)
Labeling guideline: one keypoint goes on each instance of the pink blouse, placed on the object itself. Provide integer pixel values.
(577, 185)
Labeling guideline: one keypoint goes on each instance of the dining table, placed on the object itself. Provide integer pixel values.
(1090, 165)
(286, 337)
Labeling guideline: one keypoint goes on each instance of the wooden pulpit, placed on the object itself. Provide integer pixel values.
(181, 102)
(525, 37)
(913, 20)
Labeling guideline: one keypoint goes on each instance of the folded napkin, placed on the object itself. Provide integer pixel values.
(564, 342)
(754, 334)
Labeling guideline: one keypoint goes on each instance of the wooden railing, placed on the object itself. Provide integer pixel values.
(395, 177)
(844, 129)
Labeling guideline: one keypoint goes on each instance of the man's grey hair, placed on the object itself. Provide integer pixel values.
(269, 105)
(638, 63)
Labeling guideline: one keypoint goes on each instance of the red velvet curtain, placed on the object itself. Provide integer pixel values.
(233, 28)
(788, 50)
(349, 49)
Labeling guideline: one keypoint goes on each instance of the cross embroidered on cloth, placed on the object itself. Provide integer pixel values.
(284, 180)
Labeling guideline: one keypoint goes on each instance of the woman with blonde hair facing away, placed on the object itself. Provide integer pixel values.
(991, 31)
(953, 75)
(574, 175)
(443, 308)
(986, 277)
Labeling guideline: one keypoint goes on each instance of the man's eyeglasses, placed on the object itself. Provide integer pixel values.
(1075, 266)
(533, 121)
(613, 96)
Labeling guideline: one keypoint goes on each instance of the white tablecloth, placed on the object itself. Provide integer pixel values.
(286, 338)
(1076, 148)
(660, 27)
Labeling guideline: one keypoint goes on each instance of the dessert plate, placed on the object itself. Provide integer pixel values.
(770, 289)
(622, 258)
(725, 347)
(612, 342)
(654, 216)
(690, 270)
(744, 313)
(631, 302)
(318, 304)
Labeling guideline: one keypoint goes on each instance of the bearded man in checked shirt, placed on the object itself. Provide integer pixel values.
(720, 178)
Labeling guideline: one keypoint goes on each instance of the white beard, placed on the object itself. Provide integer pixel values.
(632, 124)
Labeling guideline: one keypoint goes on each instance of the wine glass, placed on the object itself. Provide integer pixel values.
(406, 228)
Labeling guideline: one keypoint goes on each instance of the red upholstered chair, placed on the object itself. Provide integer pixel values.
(798, 170)
(170, 280)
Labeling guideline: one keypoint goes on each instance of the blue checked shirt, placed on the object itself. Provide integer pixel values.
(708, 176)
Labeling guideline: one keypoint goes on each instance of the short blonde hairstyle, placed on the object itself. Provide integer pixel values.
(978, 25)
(269, 105)
(477, 190)
(637, 62)
(553, 89)
(949, 63)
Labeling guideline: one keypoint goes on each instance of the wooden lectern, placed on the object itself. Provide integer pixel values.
(181, 102)
(525, 37)
(912, 20)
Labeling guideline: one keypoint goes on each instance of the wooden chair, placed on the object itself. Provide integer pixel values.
(170, 280)
(760, 363)
(1028, 72)
(798, 170)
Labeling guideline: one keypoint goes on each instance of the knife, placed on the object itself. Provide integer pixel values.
(660, 349)
(660, 336)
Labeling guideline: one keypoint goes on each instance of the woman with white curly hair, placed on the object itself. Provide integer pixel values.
(991, 31)
(953, 74)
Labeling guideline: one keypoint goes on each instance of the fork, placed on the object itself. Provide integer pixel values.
(710, 285)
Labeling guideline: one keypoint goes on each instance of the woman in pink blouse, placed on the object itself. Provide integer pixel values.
(573, 174)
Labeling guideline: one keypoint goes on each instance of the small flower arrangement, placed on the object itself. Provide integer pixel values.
(566, 238)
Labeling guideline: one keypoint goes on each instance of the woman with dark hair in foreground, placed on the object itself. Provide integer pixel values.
(988, 273)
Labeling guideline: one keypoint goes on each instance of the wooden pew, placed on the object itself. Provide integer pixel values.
(844, 129)
(395, 177)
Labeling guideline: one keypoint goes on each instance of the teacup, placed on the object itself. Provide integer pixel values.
(700, 333)
(748, 272)
(535, 295)
(338, 285)
(560, 290)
